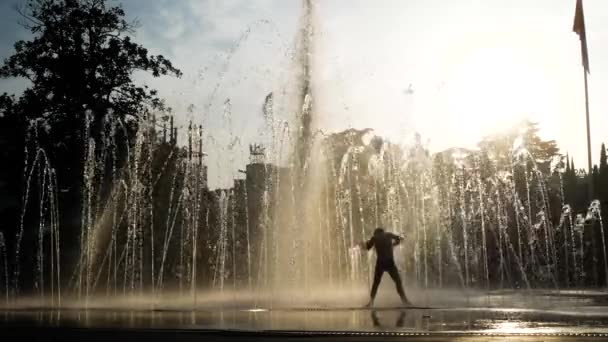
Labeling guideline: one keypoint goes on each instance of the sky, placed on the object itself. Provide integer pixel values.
(452, 70)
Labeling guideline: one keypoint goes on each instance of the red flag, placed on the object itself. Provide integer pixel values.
(579, 28)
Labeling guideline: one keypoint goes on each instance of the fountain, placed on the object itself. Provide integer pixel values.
(484, 225)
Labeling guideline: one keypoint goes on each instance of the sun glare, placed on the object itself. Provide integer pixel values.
(492, 90)
(519, 327)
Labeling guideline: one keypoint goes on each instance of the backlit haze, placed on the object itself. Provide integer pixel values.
(454, 71)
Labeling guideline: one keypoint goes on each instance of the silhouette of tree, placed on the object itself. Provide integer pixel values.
(81, 59)
(80, 63)
(602, 184)
(596, 177)
(570, 181)
(502, 148)
(543, 151)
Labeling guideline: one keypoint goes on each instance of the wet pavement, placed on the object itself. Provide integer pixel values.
(469, 320)
(574, 314)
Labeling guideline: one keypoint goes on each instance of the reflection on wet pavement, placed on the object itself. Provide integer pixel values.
(505, 313)
(443, 320)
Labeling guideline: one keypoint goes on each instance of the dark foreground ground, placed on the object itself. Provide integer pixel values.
(453, 324)
(537, 316)
(116, 335)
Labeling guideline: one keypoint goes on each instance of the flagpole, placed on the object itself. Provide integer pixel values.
(579, 28)
(589, 162)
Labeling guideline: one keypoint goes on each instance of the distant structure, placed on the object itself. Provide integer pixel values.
(257, 154)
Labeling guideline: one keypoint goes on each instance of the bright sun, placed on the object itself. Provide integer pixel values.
(492, 90)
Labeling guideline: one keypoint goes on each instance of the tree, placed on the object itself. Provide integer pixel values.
(80, 63)
(542, 151)
(602, 185)
(595, 176)
(523, 140)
